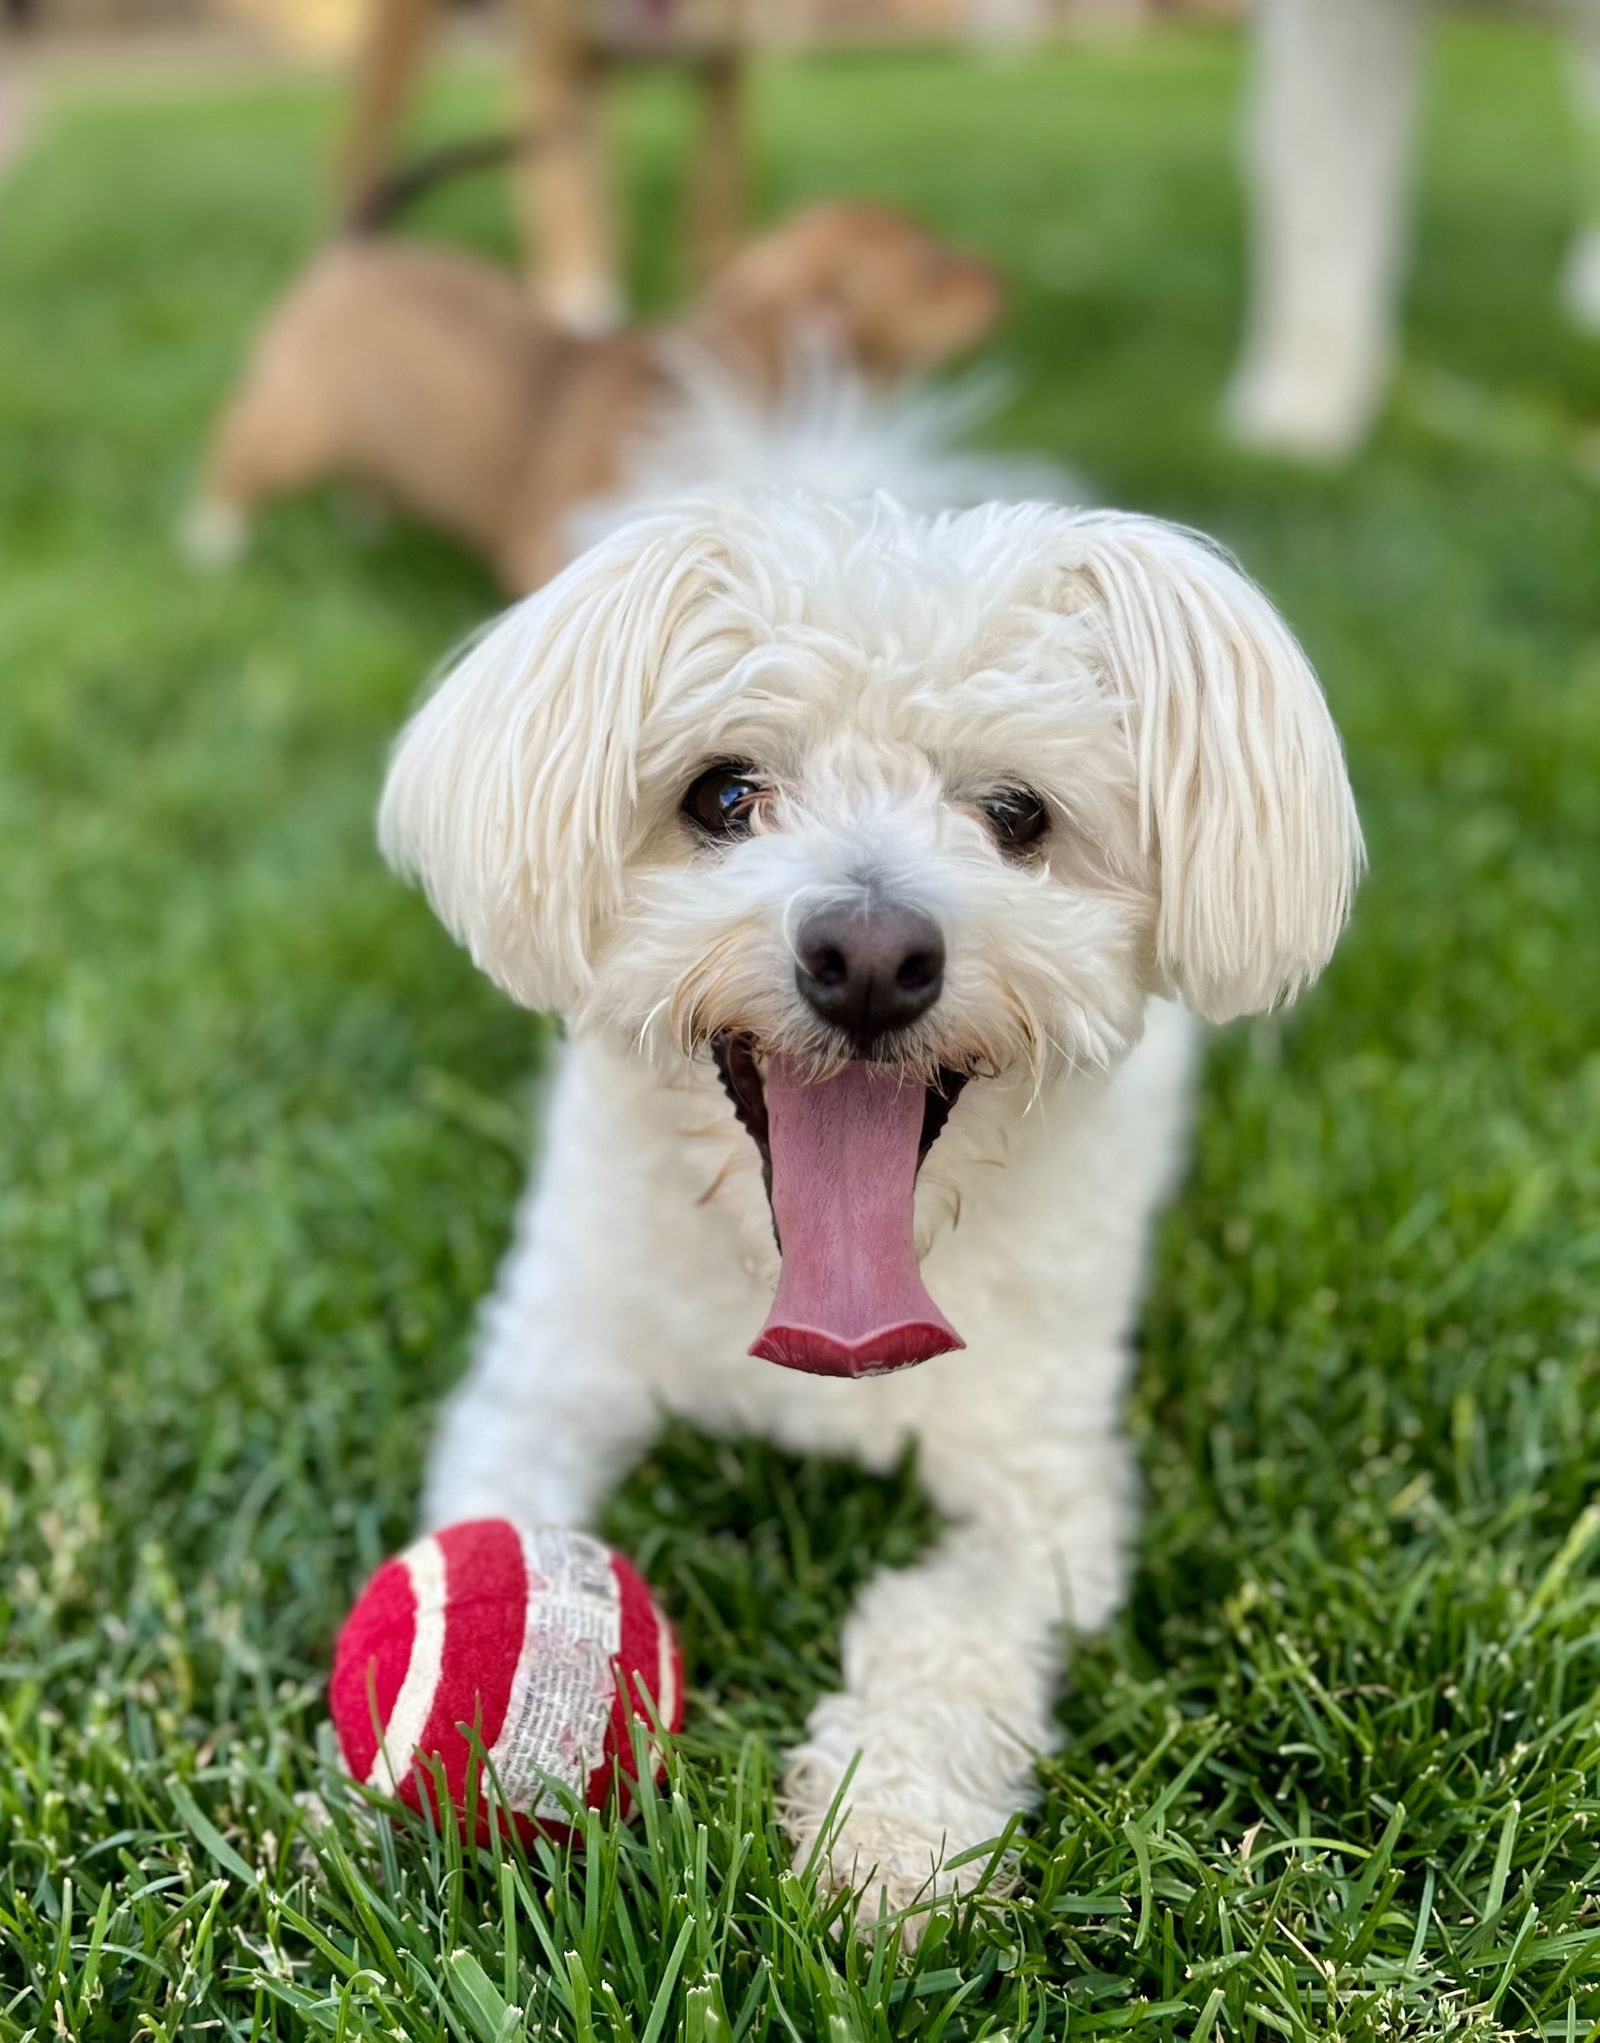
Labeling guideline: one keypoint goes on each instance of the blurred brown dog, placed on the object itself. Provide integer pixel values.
(428, 376)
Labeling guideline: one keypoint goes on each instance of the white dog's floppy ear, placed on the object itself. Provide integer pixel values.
(511, 792)
(1244, 803)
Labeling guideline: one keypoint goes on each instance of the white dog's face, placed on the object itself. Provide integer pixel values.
(869, 808)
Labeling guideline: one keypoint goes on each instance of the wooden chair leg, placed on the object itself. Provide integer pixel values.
(719, 181)
(390, 58)
(563, 182)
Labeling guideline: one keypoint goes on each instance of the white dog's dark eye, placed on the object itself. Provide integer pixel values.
(1017, 816)
(720, 801)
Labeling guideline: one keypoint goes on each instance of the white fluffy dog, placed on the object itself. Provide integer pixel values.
(867, 857)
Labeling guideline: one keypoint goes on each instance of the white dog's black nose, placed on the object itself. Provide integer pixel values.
(870, 971)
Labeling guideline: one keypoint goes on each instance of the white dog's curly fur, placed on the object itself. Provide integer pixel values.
(880, 676)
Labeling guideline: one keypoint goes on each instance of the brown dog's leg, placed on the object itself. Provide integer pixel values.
(271, 441)
(563, 183)
(390, 57)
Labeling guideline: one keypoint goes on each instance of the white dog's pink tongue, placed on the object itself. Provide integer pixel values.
(850, 1301)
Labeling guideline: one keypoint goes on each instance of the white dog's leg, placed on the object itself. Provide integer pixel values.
(951, 1667)
(554, 1406)
(1329, 154)
(1581, 277)
(549, 1417)
(532, 1434)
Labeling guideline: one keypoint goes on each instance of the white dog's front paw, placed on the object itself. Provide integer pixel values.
(898, 1868)
(899, 1836)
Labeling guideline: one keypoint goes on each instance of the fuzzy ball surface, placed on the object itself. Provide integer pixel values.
(542, 1637)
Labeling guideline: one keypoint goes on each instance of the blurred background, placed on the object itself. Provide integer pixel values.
(311, 30)
(1316, 280)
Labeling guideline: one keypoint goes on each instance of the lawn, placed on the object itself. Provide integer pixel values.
(1336, 1772)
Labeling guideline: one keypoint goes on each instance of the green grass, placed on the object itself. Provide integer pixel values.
(1337, 1771)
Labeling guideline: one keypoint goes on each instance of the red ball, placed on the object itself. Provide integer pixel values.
(544, 1638)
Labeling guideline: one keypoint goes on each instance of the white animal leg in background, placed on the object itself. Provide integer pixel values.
(951, 1666)
(1005, 28)
(1581, 277)
(1329, 154)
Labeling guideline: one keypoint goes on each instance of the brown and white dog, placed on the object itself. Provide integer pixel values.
(427, 375)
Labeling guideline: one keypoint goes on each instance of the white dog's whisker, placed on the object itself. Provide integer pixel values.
(643, 1035)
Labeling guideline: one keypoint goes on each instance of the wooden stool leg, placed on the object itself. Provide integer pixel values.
(398, 34)
(563, 184)
(719, 188)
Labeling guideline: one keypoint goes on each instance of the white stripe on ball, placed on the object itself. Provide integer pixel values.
(414, 1704)
(666, 1672)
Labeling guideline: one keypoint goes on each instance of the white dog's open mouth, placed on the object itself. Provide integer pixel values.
(841, 1156)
